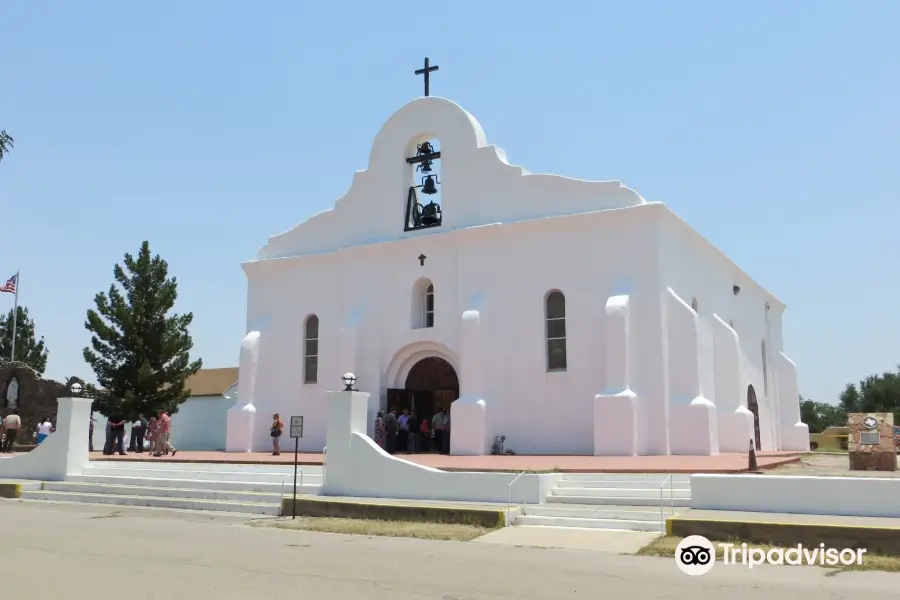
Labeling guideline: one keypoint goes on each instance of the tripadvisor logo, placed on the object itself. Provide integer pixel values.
(696, 555)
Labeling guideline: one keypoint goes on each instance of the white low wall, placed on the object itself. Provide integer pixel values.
(845, 496)
(64, 452)
(358, 467)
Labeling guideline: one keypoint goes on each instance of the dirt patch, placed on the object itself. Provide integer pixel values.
(404, 529)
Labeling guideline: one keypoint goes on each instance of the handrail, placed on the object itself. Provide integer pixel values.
(509, 495)
(289, 476)
(668, 479)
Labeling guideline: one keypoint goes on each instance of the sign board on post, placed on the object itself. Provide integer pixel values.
(297, 427)
(296, 433)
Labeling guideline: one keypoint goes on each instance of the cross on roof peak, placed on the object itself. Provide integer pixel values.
(426, 72)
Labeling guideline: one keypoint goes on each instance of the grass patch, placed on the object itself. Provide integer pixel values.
(664, 547)
(371, 527)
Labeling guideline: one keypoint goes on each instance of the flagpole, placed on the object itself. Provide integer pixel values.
(12, 357)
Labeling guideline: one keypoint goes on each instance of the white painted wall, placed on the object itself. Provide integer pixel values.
(846, 496)
(509, 238)
(65, 452)
(200, 423)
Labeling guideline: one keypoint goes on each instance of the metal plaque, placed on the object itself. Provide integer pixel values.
(870, 438)
(297, 427)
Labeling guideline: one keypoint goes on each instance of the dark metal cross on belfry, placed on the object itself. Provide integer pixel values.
(426, 71)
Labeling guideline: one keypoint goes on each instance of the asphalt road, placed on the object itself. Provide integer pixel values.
(85, 552)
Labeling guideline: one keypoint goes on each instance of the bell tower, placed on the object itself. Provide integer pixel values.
(422, 214)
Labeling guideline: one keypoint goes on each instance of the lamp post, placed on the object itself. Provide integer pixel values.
(348, 379)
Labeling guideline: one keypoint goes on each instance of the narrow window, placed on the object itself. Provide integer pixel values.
(556, 331)
(429, 305)
(311, 350)
(765, 370)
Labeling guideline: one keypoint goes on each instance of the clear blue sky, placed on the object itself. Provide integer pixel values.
(205, 127)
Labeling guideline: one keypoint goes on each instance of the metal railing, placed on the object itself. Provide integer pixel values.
(662, 486)
(509, 495)
(300, 482)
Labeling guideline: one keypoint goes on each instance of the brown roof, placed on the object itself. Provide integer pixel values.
(212, 382)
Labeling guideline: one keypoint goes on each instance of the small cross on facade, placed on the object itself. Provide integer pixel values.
(426, 71)
(422, 258)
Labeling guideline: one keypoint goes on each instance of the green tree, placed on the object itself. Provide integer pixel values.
(6, 143)
(29, 349)
(876, 393)
(821, 415)
(140, 353)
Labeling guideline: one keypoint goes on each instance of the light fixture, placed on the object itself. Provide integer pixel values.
(736, 289)
(348, 380)
(76, 388)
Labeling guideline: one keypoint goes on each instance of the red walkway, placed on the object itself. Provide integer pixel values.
(723, 463)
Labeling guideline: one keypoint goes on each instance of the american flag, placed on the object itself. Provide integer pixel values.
(10, 285)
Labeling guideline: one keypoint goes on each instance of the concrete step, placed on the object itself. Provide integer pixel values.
(308, 485)
(163, 492)
(152, 464)
(589, 523)
(643, 484)
(621, 493)
(256, 508)
(201, 475)
(594, 511)
(606, 500)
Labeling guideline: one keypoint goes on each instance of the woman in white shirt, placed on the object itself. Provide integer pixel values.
(44, 429)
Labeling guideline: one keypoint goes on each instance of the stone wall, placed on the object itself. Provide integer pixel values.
(37, 397)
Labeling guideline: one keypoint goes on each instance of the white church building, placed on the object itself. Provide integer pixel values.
(570, 316)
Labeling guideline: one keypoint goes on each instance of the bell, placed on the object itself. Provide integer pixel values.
(431, 214)
(425, 166)
(425, 148)
(428, 186)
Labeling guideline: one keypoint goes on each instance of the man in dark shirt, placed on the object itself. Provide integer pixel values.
(412, 437)
(117, 433)
(390, 432)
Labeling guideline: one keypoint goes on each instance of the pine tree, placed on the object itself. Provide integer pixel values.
(6, 143)
(138, 352)
(29, 349)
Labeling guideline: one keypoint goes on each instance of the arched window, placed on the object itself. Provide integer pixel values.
(429, 306)
(423, 304)
(311, 350)
(694, 304)
(556, 331)
(765, 366)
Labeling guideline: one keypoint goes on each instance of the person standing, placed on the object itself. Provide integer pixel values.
(379, 429)
(138, 433)
(403, 432)
(153, 435)
(390, 430)
(116, 435)
(437, 424)
(44, 429)
(11, 425)
(276, 431)
(165, 431)
(91, 434)
(412, 433)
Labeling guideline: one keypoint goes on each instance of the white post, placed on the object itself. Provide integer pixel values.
(12, 354)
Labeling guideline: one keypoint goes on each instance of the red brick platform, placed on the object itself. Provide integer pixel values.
(723, 463)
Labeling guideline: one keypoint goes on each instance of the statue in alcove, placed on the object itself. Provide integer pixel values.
(12, 393)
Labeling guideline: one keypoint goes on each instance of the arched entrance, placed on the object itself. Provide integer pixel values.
(431, 385)
(753, 406)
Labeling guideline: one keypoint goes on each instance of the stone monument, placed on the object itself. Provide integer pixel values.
(871, 443)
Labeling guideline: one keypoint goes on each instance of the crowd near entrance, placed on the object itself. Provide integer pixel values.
(422, 408)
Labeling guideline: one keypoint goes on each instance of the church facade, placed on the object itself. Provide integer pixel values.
(569, 316)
